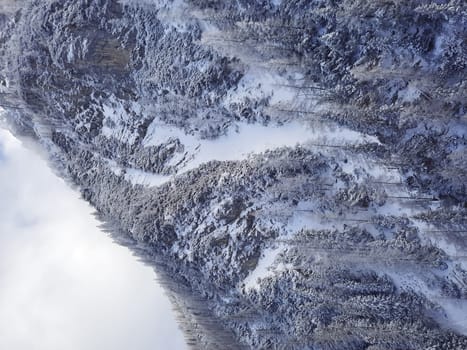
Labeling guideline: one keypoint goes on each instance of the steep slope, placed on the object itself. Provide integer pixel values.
(295, 171)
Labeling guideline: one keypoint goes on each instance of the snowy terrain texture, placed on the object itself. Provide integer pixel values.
(295, 171)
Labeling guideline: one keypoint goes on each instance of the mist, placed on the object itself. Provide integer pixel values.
(64, 284)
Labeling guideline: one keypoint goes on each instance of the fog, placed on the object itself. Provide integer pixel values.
(63, 283)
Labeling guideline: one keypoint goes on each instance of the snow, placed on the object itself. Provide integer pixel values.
(138, 2)
(259, 83)
(84, 47)
(70, 54)
(456, 314)
(247, 139)
(307, 216)
(361, 169)
(242, 141)
(455, 310)
(409, 94)
(263, 269)
(444, 241)
(117, 121)
(9, 7)
(139, 177)
(113, 166)
(438, 50)
(174, 13)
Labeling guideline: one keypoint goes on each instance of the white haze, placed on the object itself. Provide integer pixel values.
(64, 285)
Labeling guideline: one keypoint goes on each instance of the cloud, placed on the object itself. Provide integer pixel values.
(64, 284)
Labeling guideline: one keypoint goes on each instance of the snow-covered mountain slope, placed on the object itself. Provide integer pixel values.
(294, 170)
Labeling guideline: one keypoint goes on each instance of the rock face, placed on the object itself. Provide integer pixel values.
(294, 170)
